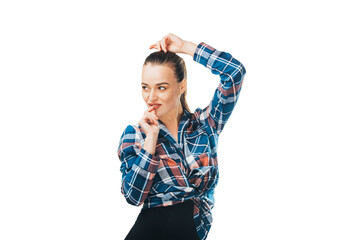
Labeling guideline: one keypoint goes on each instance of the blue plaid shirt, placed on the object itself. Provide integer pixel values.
(187, 169)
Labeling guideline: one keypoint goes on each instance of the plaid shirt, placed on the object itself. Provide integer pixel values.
(187, 169)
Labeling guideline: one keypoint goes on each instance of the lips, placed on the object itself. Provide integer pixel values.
(154, 104)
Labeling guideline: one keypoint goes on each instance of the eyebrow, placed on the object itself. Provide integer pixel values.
(156, 84)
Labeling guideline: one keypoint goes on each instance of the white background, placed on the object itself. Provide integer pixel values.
(70, 83)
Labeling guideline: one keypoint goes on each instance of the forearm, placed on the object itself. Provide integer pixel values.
(231, 73)
(150, 144)
(138, 165)
(189, 48)
(221, 63)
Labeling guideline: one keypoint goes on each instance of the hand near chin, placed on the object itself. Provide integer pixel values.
(149, 122)
(171, 43)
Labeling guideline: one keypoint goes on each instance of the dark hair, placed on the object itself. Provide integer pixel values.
(176, 63)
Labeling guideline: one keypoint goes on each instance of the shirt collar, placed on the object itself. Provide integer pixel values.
(164, 131)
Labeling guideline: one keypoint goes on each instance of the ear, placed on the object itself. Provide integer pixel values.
(183, 86)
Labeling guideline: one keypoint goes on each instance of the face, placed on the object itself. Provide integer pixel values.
(159, 86)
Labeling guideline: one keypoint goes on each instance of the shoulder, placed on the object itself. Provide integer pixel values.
(133, 131)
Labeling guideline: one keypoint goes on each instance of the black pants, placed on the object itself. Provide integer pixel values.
(165, 223)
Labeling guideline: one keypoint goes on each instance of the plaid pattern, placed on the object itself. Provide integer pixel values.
(187, 169)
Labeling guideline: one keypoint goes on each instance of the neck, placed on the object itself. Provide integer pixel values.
(172, 119)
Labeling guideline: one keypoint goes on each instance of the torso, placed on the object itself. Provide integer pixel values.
(175, 135)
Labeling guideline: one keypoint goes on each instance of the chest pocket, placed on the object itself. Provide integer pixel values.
(198, 142)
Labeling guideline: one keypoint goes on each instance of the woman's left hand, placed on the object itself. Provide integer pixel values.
(171, 43)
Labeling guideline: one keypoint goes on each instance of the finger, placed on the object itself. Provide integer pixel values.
(147, 120)
(167, 42)
(163, 45)
(150, 117)
(154, 116)
(155, 46)
(152, 113)
(143, 123)
(144, 120)
(150, 109)
(158, 46)
(151, 120)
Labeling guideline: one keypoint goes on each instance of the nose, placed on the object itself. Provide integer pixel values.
(152, 96)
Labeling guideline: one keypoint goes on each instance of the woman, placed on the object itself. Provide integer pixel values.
(169, 159)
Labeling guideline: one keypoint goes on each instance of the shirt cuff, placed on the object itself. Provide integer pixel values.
(202, 53)
(148, 162)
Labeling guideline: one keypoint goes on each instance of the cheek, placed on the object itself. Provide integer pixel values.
(169, 99)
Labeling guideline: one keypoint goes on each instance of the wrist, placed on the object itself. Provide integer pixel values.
(151, 136)
(189, 48)
(150, 143)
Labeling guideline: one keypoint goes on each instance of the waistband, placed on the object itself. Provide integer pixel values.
(187, 204)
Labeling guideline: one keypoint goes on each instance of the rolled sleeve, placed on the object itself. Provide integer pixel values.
(138, 167)
(231, 72)
(146, 161)
(202, 53)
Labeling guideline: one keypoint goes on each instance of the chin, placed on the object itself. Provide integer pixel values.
(158, 113)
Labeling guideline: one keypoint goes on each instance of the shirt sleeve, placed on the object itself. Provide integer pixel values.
(231, 72)
(138, 167)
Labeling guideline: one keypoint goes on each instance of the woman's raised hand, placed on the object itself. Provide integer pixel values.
(171, 43)
(149, 122)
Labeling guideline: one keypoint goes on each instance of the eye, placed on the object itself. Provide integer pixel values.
(144, 87)
(162, 87)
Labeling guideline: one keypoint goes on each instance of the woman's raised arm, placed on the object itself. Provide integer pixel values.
(231, 72)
